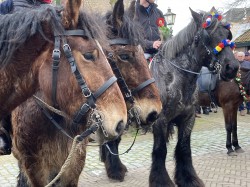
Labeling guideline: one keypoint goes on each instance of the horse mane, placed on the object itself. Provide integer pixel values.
(185, 37)
(93, 26)
(130, 29)
(18, 27)
(172, 47)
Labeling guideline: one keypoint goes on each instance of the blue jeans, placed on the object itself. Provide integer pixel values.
(248, 105)
(241, 107)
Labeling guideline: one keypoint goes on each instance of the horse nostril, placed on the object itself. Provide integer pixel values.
(152, 116)
(120, 127)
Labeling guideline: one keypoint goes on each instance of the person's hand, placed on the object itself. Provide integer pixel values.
(157, 44)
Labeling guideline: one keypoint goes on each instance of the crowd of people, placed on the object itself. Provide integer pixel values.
(244, 60)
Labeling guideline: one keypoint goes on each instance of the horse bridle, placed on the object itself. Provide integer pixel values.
(215, 64)
(128, 94)
(89, 105)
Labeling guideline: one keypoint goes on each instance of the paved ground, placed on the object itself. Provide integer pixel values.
(212, 164)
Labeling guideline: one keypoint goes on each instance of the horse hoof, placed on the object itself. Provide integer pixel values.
(239, 150)
(117, 174)
(232, 153)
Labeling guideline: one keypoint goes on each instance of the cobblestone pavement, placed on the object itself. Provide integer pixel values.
(210, 160)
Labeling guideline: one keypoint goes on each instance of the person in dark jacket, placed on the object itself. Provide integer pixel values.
(8, 6)
(150, 17)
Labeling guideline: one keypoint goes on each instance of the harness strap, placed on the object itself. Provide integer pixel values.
(50, 117)
(55, 66)
(121, 82)
(77, 32)
(86, 106)
(143, 85)
(104, 87)
(82, 83)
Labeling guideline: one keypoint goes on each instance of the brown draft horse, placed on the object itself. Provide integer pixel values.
(227, 95)
(40, 147)
(25, 40)
(125, 39)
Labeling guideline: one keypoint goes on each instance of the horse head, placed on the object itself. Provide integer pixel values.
(213, 41)
(136, 82)
(87, 90)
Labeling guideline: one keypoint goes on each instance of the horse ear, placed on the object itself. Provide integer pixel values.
(197, 17)
(213, 10)
(131, 10)
(71, 12)
(118, 13)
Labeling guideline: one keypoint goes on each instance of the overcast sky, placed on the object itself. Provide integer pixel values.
(181, 9)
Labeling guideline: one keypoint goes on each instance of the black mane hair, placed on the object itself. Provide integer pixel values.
(129, 29)
(18, 27)
(94, 27)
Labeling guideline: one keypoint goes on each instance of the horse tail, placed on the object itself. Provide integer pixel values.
(6, 7)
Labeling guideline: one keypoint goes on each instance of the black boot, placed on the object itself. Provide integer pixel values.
(5, 142)
(5, 139)
(205, 110)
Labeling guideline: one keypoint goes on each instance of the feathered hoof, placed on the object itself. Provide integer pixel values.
(117, 174)
(231, 153)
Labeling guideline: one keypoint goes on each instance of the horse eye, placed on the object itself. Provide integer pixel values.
(124, 57)
(89, 56)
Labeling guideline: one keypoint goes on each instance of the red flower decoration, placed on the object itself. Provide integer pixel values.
(221, 45)
(160, 22)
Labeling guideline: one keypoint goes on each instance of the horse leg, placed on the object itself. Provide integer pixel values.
(185, 174)
(158, 175)
(235, 142)
(229, 128)
(33, 172)
(21, 178)
(114, 167)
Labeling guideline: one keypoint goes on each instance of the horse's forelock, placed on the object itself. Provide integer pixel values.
(94, 27)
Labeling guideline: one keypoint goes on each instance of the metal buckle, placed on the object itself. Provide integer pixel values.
(88, 94)
(128, 94)
(97, 118)
(66, 47)
(56, 54)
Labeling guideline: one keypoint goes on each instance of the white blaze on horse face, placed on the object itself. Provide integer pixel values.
(100, 47)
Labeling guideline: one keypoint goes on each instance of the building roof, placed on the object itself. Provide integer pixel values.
(243, 40)
(237, 14)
